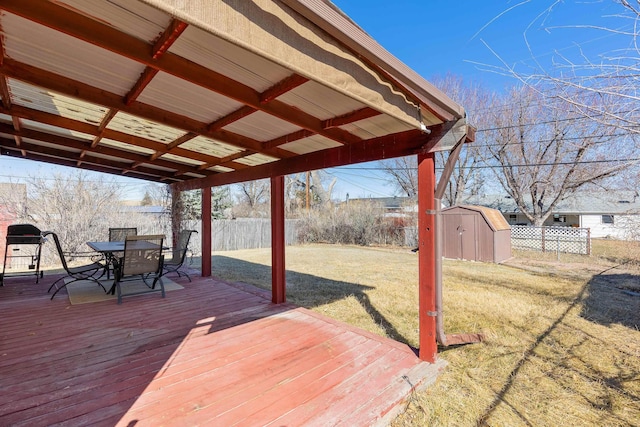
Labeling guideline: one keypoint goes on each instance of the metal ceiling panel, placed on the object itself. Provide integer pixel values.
(376, 126)
(132, 17)
(187, 99)
(262, 126)
(39, 99)
(320, 101)
(210, 147)
(182, 160)
(228, 59)
(55, 130)
(221, 169)
(310, 144)
(256, 159)
(67, 56)
(133, 125)
(125, 147)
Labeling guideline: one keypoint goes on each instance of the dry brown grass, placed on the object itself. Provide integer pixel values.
(562, 347)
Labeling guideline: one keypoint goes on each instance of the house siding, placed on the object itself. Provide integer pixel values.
(624, 226)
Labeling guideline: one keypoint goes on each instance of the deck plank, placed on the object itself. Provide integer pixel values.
(213, 353)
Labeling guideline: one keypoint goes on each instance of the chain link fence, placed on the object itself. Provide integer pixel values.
(551, 239)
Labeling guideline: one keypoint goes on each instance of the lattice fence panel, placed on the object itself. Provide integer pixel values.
(551, 239)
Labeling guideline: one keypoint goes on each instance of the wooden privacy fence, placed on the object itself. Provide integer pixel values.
(248, 233)
(551, 239)
(234, 234)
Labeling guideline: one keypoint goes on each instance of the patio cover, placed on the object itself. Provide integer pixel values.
(172, 91)
(201, 93)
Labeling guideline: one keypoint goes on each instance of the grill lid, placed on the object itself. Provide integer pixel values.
(23, 234)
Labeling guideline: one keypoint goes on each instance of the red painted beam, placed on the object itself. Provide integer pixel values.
(206, 232)
(168, 37)
(282, 87)
(385, 147)
(278, 282)
(426, 257)
(351, 117)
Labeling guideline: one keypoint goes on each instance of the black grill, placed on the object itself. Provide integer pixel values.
(23, 234)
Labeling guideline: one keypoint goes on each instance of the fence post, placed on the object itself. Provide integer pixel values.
(589, 241)
(544, 245)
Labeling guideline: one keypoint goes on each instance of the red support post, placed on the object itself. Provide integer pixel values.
(206, 232)
(277, 241)
(426, 257)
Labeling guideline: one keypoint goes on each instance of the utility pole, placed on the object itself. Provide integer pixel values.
(308, 192)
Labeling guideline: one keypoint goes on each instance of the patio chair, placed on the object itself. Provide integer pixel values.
(119, 235)
(179, 254)
(92, 271)
(142, 261)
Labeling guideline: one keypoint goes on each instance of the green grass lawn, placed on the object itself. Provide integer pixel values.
(562, 338)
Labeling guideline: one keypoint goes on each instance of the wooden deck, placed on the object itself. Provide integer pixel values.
(214, 354)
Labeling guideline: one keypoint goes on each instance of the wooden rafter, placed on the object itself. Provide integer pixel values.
(282, 87)
(81, 145)
(68, 156)
(352, 117)
(168, 37)
(80, 126)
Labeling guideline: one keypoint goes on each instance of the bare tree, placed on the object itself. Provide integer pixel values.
(319, 190)
(545, 151)
(402, 173)
(467, 179)
(76, 207)
(253, 193)
(601, 84)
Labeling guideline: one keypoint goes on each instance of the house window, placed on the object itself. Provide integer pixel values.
(559, 218)
(512, 218)
(607, 219)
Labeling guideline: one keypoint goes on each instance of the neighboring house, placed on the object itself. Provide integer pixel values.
(608, 214)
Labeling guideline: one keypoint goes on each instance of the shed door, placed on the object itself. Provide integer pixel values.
(467, 236)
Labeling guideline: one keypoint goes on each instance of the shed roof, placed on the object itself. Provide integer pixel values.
(493, 217)
(207, 93)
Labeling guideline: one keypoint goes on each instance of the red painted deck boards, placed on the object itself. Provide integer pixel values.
(213, 353)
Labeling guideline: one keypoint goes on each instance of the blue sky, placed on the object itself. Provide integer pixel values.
(435, 37)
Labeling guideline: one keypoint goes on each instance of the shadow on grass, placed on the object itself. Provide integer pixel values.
(613, 299)
(602, 301)
(304, 290)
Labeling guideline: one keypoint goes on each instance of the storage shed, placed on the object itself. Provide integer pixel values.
(475, 233)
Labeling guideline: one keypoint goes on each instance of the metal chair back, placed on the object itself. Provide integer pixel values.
(120, 234)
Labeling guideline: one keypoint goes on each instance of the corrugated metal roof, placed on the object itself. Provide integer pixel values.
(173, 91)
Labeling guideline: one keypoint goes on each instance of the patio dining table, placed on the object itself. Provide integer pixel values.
(110, 247)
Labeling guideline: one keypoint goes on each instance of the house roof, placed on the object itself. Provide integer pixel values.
(208, 93)
(593, 202)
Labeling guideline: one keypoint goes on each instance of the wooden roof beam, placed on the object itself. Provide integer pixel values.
(80, 126)
(81, 145)
(168, 37)
(71, 159)
(352, 117)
